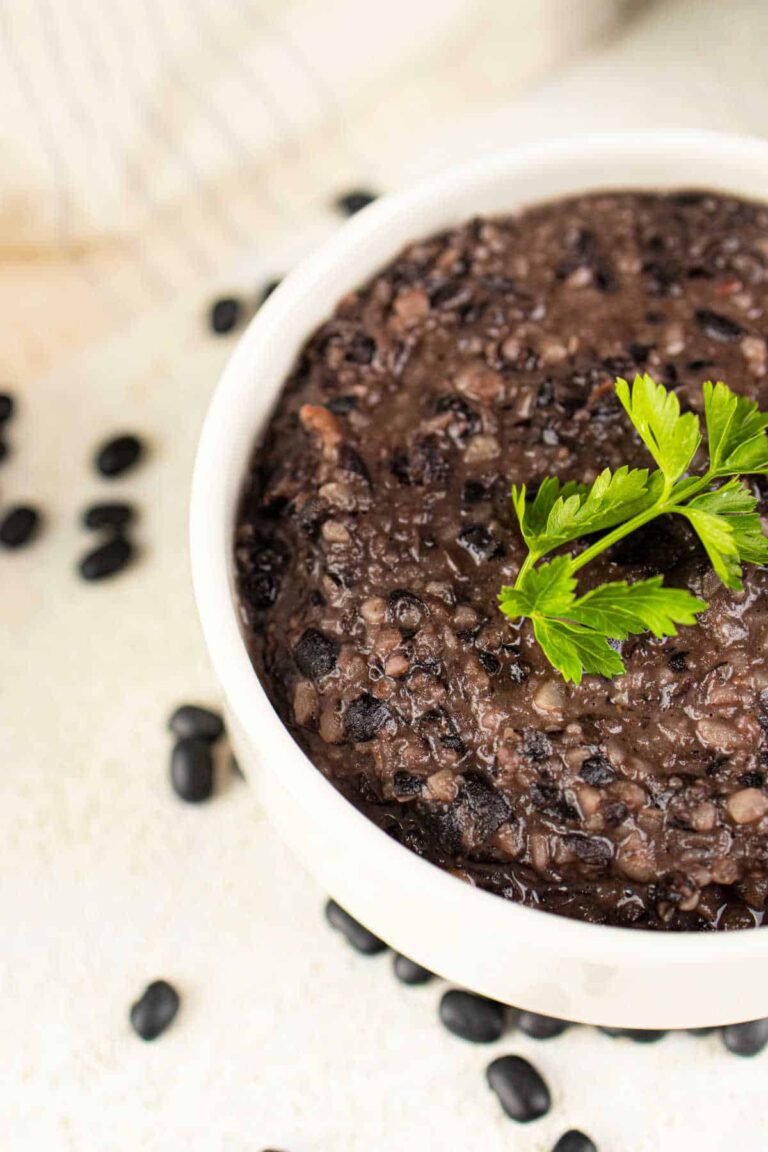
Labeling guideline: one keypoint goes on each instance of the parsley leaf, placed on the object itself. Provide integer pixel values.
(735, 430)
(620, 609)
(670, 438)
(574, 650)
(558, 514)
(574, 631)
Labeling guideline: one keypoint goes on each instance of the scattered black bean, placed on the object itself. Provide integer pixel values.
(521, 1090)
(639, 1035)
(574, 1141)
(315, 654)
(266, 291)
(409, 972)
(541, 1027)
(114, 515)
(351, 202)
(18, 526)
(107, 560)
(117, 455)
(225, 315)
(155, 1010)
(597, 771)
(746, 1039)
(717, 326)
(6, 406)
(363, 718)
(201, 723)
(472, 1017)
(355, 934)
(192, 770)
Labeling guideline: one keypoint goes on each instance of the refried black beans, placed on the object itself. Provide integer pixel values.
(376, 529)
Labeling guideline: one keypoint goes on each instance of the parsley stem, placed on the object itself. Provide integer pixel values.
(663, 505)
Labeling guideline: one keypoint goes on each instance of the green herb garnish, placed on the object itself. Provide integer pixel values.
(574, 631)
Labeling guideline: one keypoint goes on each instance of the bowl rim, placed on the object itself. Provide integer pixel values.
(212, 519)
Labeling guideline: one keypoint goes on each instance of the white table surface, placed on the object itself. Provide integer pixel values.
(286, 1039)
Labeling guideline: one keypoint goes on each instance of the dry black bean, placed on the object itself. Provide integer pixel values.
(351, 202)
(541, 1027)
(107, 560)
(190, 720)
(266, 291)
(192, 770)
(574, 1141)
(472, 1017)
(155, 1010)
(315, 654)
(355, 934)
(717, 326)
(18, 526)
(409, 972)
(116, 514)
(224, 315)
(521, 1090)
(6, 406)
(118, 454)
(639, 1035)
(746, 1039)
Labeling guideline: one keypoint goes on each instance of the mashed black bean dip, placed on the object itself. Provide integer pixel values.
(376, 529)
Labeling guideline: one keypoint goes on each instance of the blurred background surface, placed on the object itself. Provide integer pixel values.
(153, 156)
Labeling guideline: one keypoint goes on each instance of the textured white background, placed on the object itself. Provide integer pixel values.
(286, 1038)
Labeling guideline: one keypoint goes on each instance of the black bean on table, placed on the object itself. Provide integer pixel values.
(520, 1088)
(192, 770)
(224, 315)
(574, 1141)
(194, 720)
(746, 1039)
(409, 972)
(107, 560)
(355, 933)
(18, 526)
(6, 406)
(266, 291)
(118, 454)
(154, 1010)
(472, 1017)
(354, 201)
(541, 1027)
(639, 1035)
(115, 514)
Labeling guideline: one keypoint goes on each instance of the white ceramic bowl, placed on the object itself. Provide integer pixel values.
(518, 955)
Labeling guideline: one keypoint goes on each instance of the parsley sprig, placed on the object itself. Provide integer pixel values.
(575, 631)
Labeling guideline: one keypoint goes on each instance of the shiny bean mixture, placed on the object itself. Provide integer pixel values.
(376, 528)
